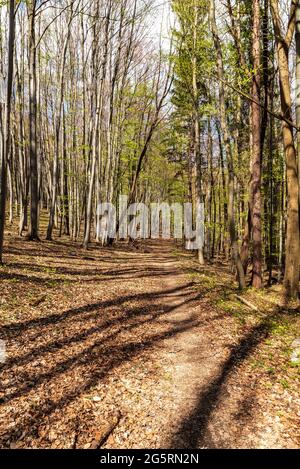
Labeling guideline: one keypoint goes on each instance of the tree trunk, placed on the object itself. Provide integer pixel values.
(291, 276)
(256, 152)
(297, 38)
(196, 117)
(58, 128)
(7, 135)
(33, 228)
(225, 134)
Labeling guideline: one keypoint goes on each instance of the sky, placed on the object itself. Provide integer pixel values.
(161, 20)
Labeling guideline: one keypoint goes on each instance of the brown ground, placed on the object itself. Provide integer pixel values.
(136, 347)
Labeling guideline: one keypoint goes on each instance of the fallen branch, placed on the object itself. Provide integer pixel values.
(104, 432)
(38, 301)
(247, 303)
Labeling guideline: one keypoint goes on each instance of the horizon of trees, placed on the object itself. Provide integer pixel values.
(92, 108)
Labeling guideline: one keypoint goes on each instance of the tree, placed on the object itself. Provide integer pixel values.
(256, 151)
(33, 233)
(225, 135)
(59, 118)
(292, 256)
(7, 125)
(297, 38)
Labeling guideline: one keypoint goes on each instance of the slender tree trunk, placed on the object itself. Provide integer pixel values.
(225, 134)
(256, 152)
(223, 194)
(7, 135)
(33, 228)
(196, 117)
(95, 136)
(58, 128)
(11, 189)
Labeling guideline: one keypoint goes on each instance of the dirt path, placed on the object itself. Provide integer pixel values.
(122, 348)
(216, 396)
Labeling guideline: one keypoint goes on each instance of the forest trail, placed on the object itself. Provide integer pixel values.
(126, 348)
(129, 114)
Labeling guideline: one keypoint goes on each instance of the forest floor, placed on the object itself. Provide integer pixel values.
(139, 347)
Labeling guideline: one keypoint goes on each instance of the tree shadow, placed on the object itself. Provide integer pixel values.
(154, 312)
(92, 365)
(193, 431)
(15, 329)
(88, 275)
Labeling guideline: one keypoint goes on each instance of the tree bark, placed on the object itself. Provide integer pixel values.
(256, 151)
(33, 228)
(297, 38)
(7, 135)
(292, 257)
(225, 134)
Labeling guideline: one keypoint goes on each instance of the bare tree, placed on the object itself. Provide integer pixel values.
(7, 135)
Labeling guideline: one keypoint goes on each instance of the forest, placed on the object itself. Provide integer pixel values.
(142, 342)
